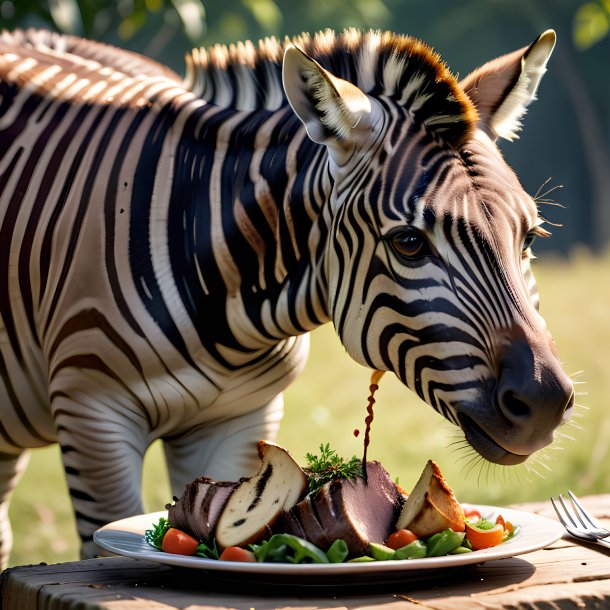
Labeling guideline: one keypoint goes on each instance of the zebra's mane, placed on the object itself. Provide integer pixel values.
(246, 77)
(243, 76)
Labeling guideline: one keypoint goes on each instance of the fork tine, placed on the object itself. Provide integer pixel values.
(572, 530)
(567, 512)
(559, 515)
(580, 510)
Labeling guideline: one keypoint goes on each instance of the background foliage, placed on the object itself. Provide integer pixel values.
(565, 138)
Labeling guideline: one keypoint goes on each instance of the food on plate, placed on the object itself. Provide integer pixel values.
(237, 553)
(179, 543)
(355, 510)
(330, 511)
(258, 502)
(483, 534)
(401, 537)
(431, 507)
(237, 514)
(198, 509)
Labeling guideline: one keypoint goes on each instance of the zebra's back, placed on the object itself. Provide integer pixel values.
(88, 135)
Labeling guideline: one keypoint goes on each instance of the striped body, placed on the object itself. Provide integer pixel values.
(165, 246)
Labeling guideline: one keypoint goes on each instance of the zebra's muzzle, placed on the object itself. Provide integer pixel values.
(531, 398)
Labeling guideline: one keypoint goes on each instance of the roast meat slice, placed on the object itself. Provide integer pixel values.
(357, 510)
(197, 511)
(257, 502)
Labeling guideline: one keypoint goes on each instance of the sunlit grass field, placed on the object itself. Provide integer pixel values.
(329, 401)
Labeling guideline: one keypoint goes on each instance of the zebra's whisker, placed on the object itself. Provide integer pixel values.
(566, 436)
(544, 196)
(577, 374)
(550, 202)
(458, 442)
(467, 453)
(538, 195)
(550, 222)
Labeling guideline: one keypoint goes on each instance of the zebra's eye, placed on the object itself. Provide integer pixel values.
(408, 243)
(528, 241)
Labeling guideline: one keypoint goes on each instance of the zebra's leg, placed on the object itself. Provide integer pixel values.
(224, 451)
(102, 459)
(12, 466)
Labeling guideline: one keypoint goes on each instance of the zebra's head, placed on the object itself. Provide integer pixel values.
(428, 260)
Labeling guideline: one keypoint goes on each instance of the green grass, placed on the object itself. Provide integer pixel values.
(329, 401)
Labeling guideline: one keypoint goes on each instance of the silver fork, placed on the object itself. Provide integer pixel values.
(577, 521)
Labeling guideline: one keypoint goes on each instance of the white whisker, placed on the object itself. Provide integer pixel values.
(540, 463)
(577, 374)
(532, 469)
(537, 194)
(567, 436)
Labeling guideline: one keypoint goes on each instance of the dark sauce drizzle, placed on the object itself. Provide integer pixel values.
(375, 377)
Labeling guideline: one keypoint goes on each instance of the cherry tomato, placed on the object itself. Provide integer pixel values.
(400, 538)
(483, 539)
(507, 525)
(236, 553)
(179, 543)
(473, 514)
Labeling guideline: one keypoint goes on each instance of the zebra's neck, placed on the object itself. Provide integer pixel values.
(254, 212)
(266, 198)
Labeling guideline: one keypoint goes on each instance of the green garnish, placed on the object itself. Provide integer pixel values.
(329, 466)
(443, 543)
(338, 551)
(484, 524)
(209, 552)
(286, 548)
(155, 536)
(414, 550)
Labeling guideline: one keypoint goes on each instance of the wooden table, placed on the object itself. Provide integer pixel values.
(566, 575)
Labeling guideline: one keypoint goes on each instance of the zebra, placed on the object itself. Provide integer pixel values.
(167, 242)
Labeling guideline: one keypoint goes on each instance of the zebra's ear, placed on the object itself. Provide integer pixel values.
(502, 89)
(328, 106)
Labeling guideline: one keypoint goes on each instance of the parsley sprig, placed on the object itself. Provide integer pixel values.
(154, 536)
(329, 466)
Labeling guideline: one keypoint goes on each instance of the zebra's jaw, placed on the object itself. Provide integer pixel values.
(532, 397)
(486, 446)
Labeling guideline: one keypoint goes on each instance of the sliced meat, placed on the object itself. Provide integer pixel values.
(358, 511)
(303, 521)
(200, 506)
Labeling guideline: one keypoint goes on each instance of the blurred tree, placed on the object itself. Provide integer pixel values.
(567, 135)
(591, 23)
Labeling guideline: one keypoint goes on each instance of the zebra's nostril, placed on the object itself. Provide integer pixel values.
(513, 407)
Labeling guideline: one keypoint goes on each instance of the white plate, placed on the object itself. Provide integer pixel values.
(126, 537)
